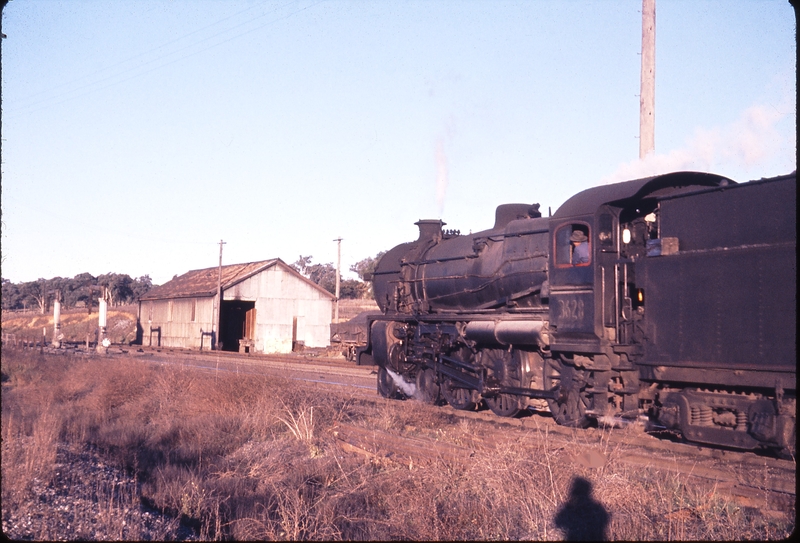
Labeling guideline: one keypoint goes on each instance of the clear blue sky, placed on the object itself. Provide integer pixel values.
(137, 134)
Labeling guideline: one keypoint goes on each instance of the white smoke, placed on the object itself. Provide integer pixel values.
(441, 176)
(746, 143)
(409, 389)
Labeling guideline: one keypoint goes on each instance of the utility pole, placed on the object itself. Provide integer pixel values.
(57, 335)
(647, 96)
(218, 312)
(102, 341)
(338, 273)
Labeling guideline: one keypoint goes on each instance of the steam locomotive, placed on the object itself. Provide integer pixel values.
(670, 298)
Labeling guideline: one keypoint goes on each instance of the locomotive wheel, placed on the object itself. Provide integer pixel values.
(427, 387)
(386, 385)
(505, 367)
(504, 405)
(460, 398)
(569, 407)
(397, 359)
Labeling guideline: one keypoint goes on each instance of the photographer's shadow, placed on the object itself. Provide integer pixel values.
(581, 517)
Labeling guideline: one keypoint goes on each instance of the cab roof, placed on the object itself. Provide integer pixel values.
(619, 194)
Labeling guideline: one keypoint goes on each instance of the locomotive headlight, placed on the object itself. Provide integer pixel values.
(626, 236)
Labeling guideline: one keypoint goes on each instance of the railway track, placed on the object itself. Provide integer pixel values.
(752, 481)
(305, 369)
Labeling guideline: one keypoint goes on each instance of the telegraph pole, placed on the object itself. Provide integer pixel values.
(102, 341)
(647, 96)
(57, 336)
(218, 312)
(338, 264)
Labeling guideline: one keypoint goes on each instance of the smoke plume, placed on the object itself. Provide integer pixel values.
(746, 143)
(441, 176)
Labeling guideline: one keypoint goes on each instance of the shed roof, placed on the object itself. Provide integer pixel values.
(203, 283)
(588, 201)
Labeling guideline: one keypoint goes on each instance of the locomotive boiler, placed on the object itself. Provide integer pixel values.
(670, 298)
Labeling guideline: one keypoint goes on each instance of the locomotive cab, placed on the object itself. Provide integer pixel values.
(595, 304)
(597, 308)
(674, 301)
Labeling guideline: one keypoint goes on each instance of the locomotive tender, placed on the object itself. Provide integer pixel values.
(670, 298)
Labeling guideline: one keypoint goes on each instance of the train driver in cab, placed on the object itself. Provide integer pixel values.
(580, 247)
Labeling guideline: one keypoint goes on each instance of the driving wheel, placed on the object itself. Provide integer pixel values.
(505, 370)
(386, 385)
(460, 398)
(504, 405)
(571, 402)
(427, 386)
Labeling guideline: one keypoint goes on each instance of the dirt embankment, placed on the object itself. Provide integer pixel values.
(76, 324)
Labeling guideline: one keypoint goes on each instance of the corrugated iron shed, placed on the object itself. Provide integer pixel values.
(203, 283)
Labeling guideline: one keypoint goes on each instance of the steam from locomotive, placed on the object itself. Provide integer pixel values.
(670, 298)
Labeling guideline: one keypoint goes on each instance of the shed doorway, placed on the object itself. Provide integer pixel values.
(237, 321)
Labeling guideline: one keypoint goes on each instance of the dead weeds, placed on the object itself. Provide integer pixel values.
(256, 458)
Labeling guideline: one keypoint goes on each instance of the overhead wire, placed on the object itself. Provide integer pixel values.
(134, 57)
(136, 71)
(26, 110)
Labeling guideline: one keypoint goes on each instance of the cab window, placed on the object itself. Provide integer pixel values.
(572, 245)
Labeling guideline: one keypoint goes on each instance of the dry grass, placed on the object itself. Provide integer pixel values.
(243, 457)
(75, 324)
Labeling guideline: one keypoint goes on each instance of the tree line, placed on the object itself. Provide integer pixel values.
(84, 289)
(325, 276)
(79, 291)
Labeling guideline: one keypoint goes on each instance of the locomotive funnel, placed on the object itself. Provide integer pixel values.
(430, 229)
